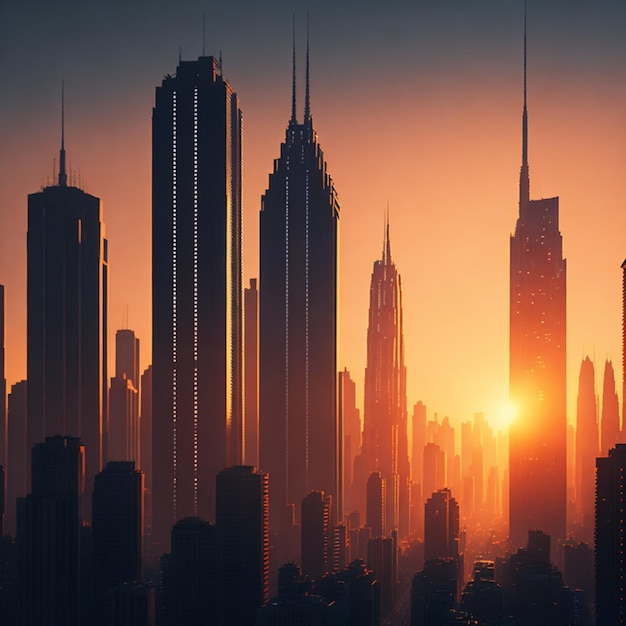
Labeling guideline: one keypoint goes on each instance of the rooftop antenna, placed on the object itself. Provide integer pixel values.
(180, 54)
(221, 69)
(307, 103)
(524, 177)
(293, 70)
(203, 54)
(62, 173)
(387, 254)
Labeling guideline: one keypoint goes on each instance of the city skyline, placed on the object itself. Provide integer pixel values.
(461, 100)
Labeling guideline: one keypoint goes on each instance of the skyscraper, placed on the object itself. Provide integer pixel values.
(145, 437)
(610, 513)
(316, 534)
(537, 467)
(251, 381)
(117, 530)
(49, 522)
(587, 448)
(377, 504)
(350, 421)
(385, 445)
(609, 422)
(242, 518)
(67, 291)
(197, 346)
(3, 386)
(123, 424)
(17, 452)
(441, 526)
(299, 228)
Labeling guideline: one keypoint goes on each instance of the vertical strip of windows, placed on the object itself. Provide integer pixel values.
(195, 301)
(306, 327)
(287, 334)
(174, 301)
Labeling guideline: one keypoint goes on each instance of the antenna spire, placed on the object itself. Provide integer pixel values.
(524, 176)
(293, 70)
(307, 98)
(203, 54)
(62, 174)
(387, 249)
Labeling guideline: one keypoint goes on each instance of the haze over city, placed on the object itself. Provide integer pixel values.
(416, 105)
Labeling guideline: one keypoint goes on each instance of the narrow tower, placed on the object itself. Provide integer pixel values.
(385, 446)
(67, 293)
(537, 363)
(197, 346)
(298, 321)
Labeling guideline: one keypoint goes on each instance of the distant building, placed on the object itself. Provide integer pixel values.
(316, 529)
(350, 421)
(145, 437)
(67, 311)
(242, 519)
(441, 526)
(251, 373)
(609, 422)
(197, 342)
(17, 452)
(610, 564)
(376, 504)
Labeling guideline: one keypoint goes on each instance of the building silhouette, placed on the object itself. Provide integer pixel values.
(17, 452)
(192, 575)
(587, 449)
(3, 385)
(242, 518)
(610, 565)
(67, 304)
(434, 469)
(609, 420)
(197, 346)
(316, 534)
(145, 439)
(382, 559)
(434, 591)
(385, 445)
(251, 375)
(377, 504)
(623, 433)
(350, 420)
(299, 227)
(49, 534)
(441, 526)
(537, 449)
(117, 530)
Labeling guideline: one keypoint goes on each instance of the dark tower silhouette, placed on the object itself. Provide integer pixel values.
(49, 522)
(67, 293)
(377, 504)
(587, 448)
(623, 433)
(17, 452)
(537, 451)
(242, 512)
(197, 346)
(145, 437)
(610, 565)
(441, 526)
(350, 421)
(385, 445)
(192, 575)
(299, 225)
(251, 380)
(316, 511)
(609, 422)
(117, 530)
(3, 385)
(123, 424)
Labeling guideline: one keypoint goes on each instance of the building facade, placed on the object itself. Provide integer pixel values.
(299, 228)
(197, 346)
(537, 383)
(67, 304)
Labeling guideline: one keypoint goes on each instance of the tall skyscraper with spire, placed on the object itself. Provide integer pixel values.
(197, 346)
(587, 449)
(537, 449)
(385, 446)
(299, 444)
(609, 423)
(67, 303)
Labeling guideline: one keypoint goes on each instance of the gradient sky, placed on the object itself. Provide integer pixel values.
(417, 104)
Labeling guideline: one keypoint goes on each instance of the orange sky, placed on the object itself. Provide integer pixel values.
(414, 105)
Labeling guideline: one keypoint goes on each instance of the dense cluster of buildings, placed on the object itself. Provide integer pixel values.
(233, 482)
